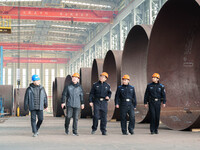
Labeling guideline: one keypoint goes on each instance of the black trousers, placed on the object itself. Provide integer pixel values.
(100, 111)
(154, 108)
(39, 114)
(72, 112)
(124, 110)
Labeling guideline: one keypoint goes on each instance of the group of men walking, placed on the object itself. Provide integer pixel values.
(100, 94)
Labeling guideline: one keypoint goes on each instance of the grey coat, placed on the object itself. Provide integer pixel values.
(29, 98)
(72, 95)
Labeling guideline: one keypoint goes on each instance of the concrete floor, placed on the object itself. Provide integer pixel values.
(15, 134)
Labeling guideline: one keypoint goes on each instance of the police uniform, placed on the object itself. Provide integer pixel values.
(125, 97)
(154, 95)
(97, 96)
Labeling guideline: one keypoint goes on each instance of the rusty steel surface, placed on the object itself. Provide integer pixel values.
(19, 94)
(174, 52)
(97, 68)
(6, 91)
(85, 81)
(134, 63)
(57, 95)
(112, 65)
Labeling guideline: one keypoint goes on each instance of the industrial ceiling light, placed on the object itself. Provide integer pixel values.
(22, 25)
(86, 4)
(61, 26)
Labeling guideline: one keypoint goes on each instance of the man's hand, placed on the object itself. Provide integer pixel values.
(117, 106)
(63, 105)
(164, 105)
(145, 105)
(46, 109)
(82, 106)
(107, 98)
(91, 104)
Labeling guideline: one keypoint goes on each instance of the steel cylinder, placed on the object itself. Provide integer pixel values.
(19, 94)
(6, 92)
(112, 65)
(57, 95)
(85, 81)
(97, 68)
(174, 53)
(134, 63)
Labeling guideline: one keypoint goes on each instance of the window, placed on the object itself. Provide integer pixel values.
(47, 80)
(24, 78)
(9, 76)
(38, 72)
(4, 76)
(33, 71)
(61, 72)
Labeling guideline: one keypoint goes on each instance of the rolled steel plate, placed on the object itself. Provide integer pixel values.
(68, 80)
(97, 68)
(19, 94)
(85, 81)
(6, 91)
(59, 86)
(174, 53)
(134, 63)
(53, 99)
(112, 65)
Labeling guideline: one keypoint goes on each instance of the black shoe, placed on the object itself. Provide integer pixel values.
(93, 132)
(131, 132)
(156, 132)
(66, 132)
(104, 133)
(125, 133)
(152, 133)
(75, 134)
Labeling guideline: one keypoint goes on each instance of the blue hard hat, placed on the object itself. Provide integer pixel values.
(35, 77)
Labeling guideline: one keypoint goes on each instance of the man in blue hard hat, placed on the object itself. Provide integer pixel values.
(36, 101)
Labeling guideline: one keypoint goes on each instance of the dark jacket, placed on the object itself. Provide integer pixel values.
(29, 98)
(125, 92)
(72, 95)
(153, 91)
(99, 90)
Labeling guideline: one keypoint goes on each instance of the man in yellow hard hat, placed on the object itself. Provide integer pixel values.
(154, 96)
(72, 98)
(125, 99)
(99, 96)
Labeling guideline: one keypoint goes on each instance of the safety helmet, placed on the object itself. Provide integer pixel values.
(76, 75)
(156, 75)
(126, 77)
(104, 74)
(35, 77)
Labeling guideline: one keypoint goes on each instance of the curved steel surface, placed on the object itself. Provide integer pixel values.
(134, 63)
(6, 91)
(58, 89)
(112, 65)
(19, 94)
(174, 53)
(97, 68)
(85, 81)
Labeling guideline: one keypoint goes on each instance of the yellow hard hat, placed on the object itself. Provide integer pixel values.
(76, 75)
(156, 75)
(126, 77)
(104, 74)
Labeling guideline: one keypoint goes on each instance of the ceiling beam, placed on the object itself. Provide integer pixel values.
(58, 14)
